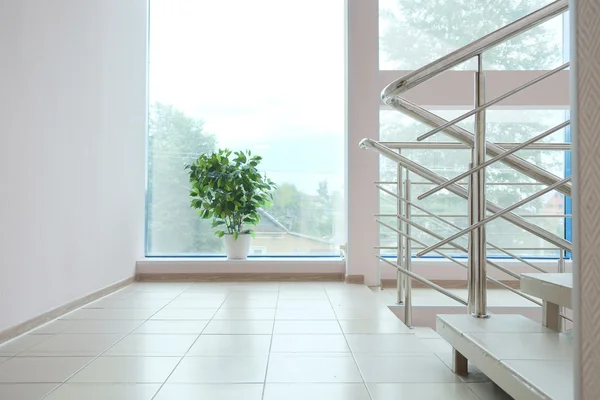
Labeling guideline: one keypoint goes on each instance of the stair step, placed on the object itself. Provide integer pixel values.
(527, 360)
(556, 288)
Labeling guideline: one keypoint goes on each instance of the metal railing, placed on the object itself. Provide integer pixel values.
(475, 193)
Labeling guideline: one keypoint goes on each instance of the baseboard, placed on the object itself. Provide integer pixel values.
(57, 312)
(240, 277)
(358, 279)
(451, 284)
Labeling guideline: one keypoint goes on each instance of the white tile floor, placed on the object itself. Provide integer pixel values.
(251, 341)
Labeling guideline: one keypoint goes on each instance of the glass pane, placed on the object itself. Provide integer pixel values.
(414, 33)
(505, 186)
(250, 79)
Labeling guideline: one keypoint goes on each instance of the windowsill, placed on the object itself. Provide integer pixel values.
(430, 268)
(191, 265)
(249, 259)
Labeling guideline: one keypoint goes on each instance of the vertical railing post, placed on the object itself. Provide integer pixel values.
(561, 269)
(471, 283)
(478, 197)
(400, 278)
(407, 255)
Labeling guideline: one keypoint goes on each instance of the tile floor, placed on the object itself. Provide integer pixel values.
(250, 341)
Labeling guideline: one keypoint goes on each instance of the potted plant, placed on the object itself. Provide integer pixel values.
(228, 188)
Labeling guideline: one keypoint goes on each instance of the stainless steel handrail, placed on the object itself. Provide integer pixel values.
(493, 217)
(476, 195)
(474, 48)
(462, 146)
(462, 192)
(490, 103)
(466, 137)
(493, 160)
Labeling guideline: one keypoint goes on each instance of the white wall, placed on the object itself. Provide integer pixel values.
(72, 150)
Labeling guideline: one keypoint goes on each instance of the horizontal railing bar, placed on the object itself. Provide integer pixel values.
(515, 291)
(493, 160)
(465, 216)
(518, 258)
(420, 227)
(465, 183)
(491, 248)
(474, 48)
(461, 146)
(462, 135)
(490, 103)
(505, 270)
(424, 281)
(565, 317)
(497, 215)
(540, 146)
(462, 192)
(426, 145)
(431, 233)
(403, 234)
(514, 275)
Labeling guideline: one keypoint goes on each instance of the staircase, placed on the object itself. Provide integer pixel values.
(528, 359)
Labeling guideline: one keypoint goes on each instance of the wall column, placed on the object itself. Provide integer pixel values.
(362, 120)
(585, 100)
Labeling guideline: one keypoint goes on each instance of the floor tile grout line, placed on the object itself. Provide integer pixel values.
(192, 345)
(59, 384)
(350, 349)
(472, 391)
(203, 330)
(101, 353)
(271, 344)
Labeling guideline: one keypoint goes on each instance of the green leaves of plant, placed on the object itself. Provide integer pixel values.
(230, 190)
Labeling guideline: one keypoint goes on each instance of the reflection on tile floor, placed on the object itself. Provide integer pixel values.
(251, 341)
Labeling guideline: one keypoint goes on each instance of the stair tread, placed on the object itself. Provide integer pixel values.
(527, 360)
(499, 323)
(556, 288)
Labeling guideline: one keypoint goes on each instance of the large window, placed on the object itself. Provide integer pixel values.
(264, 75)
(414, 33)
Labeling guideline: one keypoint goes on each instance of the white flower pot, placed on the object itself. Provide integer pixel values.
(237, 249)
